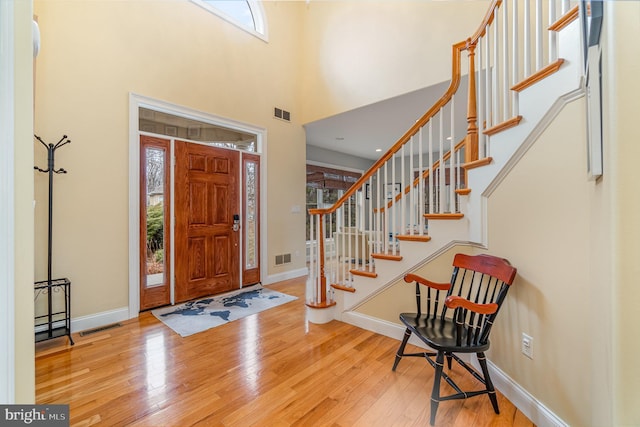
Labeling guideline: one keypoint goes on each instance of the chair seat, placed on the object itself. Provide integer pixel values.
(440, 334)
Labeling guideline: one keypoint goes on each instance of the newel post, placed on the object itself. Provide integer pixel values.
(319, 283)
(320, 309)
(471, 143)
(322, 278)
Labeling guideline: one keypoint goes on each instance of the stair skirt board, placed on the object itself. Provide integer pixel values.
(539, 414)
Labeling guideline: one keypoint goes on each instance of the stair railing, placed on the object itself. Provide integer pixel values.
(421, 177)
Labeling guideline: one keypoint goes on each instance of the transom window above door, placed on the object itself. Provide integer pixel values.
(175, 126)
(246, 14)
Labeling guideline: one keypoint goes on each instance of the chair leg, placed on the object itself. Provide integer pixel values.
(449, 359)
(487, 379)
(435, 392)
(400, 352)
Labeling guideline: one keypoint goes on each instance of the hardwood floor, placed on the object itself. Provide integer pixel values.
(269, 369)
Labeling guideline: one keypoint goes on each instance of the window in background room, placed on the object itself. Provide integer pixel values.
(324, 187)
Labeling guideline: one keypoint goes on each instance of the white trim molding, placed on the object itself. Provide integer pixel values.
(99, 319)
(7, 236)
(292, 274)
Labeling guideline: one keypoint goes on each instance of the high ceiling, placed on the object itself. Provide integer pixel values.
(361, 131)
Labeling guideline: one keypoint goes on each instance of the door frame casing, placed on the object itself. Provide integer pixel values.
(135, 102)
(7, 223)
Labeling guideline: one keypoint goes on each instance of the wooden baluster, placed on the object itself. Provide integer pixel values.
(379, 233)
(495, 74)
(452, 164)
(382, 197)
(527, 39)
(553, 43)
(480, 102)
(403, 203)
(506, 112)
(539, 30)
(394, 207)
(431, 171)
(421, 184)
(471, 144)
(312, 253)
(515, 71)
(442, 194)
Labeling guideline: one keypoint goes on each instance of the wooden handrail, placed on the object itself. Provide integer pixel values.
(565, 20)
(456, 50)
(451, 90)
(488, 20)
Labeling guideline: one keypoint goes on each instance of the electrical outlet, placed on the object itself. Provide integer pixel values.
(527, 345)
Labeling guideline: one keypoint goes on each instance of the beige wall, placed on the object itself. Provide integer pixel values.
(23, 199)
(93, 55)
(621, 66)
(370, 51)
(539, 220)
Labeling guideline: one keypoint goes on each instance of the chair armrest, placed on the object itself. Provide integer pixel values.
(454, 301)
(415, 278)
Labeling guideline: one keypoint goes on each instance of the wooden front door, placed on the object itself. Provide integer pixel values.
(206, 204)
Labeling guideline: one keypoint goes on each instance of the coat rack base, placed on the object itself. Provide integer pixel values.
(55, 297)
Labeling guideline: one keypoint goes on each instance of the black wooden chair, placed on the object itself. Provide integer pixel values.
(456, 317)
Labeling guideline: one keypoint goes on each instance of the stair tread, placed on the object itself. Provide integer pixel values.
(507, 124)
(390, 257)
(477, 163)
(444, 216)
(363, 273)
(414, 237)
(343, 287)
(539, 75)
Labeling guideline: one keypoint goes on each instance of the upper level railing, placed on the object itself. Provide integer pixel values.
(421, 177)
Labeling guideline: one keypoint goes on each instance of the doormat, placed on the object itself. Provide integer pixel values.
(199, 315)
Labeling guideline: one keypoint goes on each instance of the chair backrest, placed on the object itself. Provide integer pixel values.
(481, 279)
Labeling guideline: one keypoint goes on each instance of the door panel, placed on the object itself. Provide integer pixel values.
(155, 247)
(206, 198)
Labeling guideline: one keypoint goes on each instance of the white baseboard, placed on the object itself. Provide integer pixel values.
(99, 319)
(382, 327)
(274, 278)
(539, 414)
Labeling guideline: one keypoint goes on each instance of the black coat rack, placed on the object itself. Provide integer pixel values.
(53, 320)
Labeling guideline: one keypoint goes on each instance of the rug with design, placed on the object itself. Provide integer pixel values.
(205, 313)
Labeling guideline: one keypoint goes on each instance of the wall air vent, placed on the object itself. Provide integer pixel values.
(279, 113)
(283, 259)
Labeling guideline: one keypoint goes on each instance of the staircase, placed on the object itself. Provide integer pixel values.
(428, 192)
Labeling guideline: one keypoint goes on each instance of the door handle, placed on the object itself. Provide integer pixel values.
(236, 222)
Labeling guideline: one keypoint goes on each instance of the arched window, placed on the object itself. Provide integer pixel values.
(246, 14)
